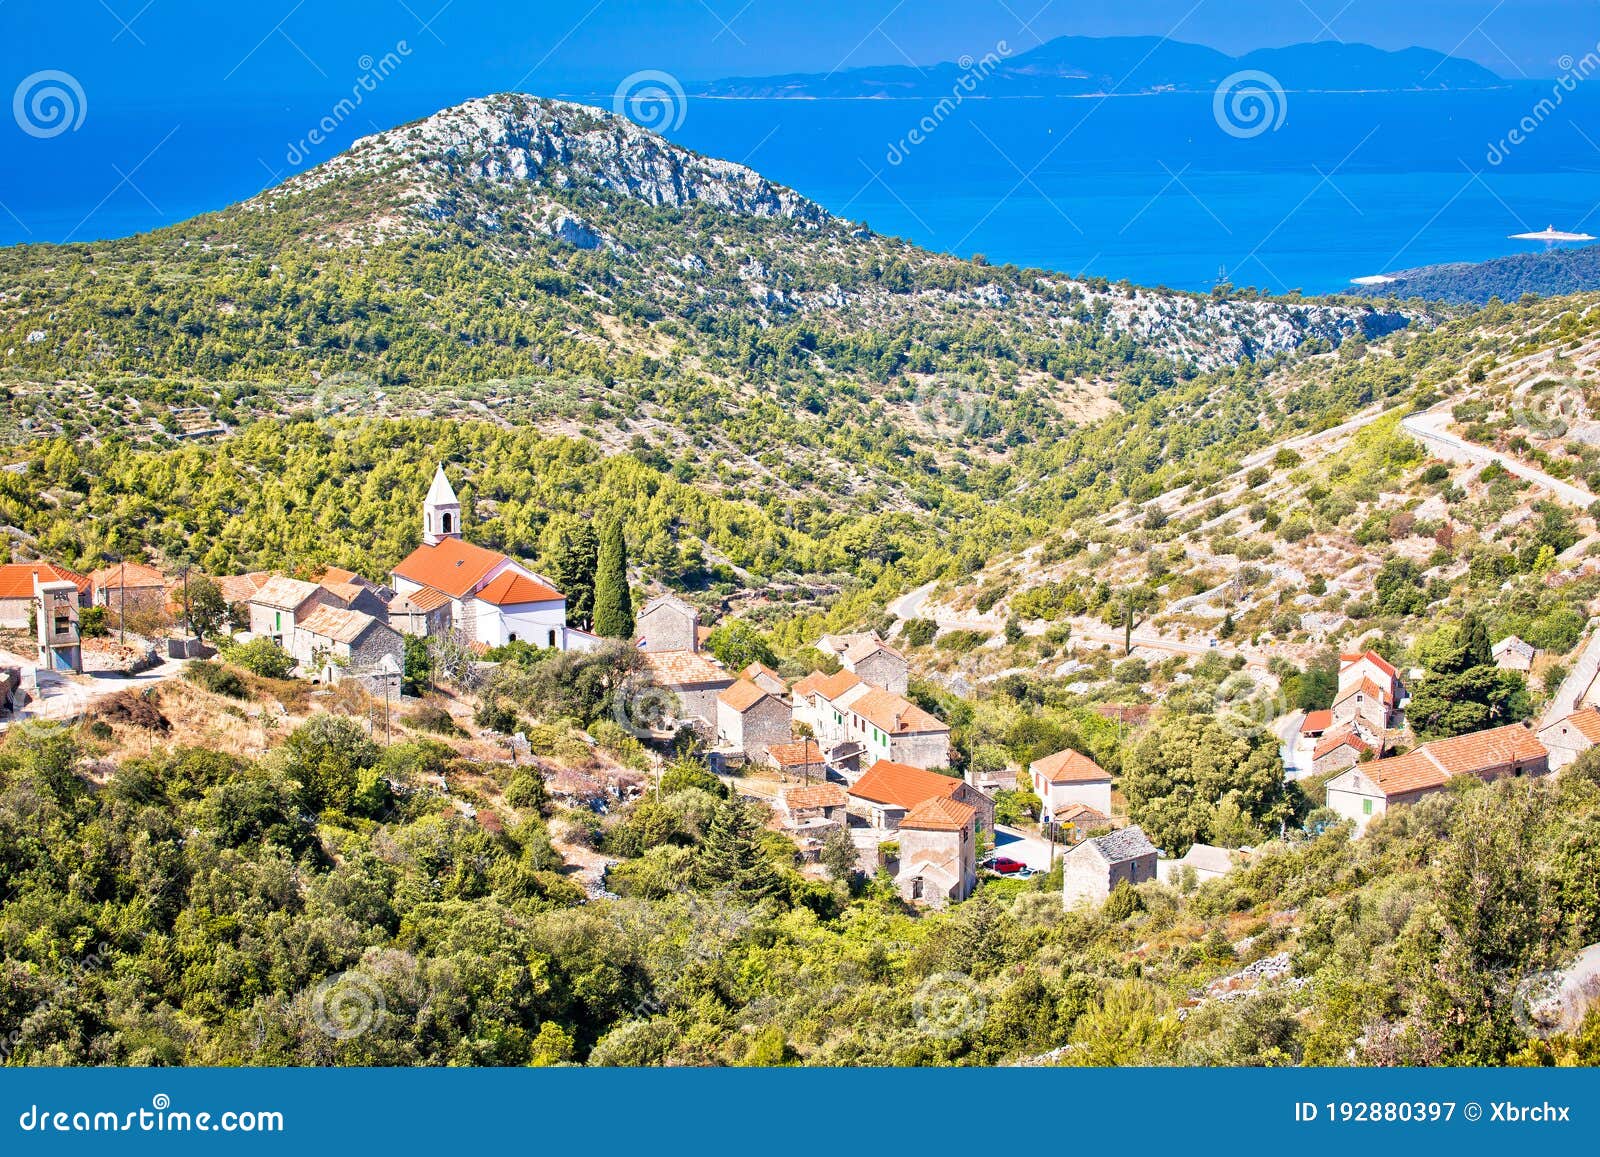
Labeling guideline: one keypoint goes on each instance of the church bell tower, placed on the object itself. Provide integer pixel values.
(441, 511)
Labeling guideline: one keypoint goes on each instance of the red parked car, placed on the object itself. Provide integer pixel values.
(1005, 865)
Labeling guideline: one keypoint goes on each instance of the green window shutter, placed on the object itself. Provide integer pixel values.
(1366, 807)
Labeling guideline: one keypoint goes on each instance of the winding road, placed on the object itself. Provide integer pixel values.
(1429, 428)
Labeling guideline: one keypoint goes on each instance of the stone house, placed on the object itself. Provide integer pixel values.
(694, 681)
(800, 760)
(1338, 750)
(751, 720)
(1066, 778)
(814, 809)
(1568, 738)
(938, 852)
(765, 678)
(1092, 869)
(889, 726)
(132, 585)
(1369, 790)
(334, 644)
(887, 793)
(357, 596)
(424, 613)
(1077, 820)
(18, 598)
(869, 658)
(1207, 863)
(277, 609)
(667, 623)
(1369, 698)
(1512, 654)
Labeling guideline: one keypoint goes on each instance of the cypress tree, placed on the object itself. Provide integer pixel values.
(613, 604)
(573, 563)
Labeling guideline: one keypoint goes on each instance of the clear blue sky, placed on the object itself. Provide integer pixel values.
(168, 53)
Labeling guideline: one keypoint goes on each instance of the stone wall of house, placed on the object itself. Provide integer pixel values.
(1086, 876)
(667, 628)
(1338, 759)
(945, 860)
(982, 803)
(882, 669)
(371, 648)
(921, 749)
(700, 702)
(1564, 742)
(770, 721)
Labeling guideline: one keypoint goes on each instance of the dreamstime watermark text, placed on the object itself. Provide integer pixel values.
(158, 1117)
(1573, 74)
(373, 74)
(973, 74)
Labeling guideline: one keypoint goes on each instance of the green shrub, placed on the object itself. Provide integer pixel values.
(217, 679)
(261, 657)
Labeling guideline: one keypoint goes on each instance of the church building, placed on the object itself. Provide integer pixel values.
(493, 599)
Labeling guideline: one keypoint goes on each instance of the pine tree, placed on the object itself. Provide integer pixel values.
(730, 856)
(573, 562)
(613, 604)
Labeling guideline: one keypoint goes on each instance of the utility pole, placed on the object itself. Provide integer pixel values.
(122, 614)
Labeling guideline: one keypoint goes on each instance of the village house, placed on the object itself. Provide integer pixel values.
(1204, 860)
(282, 603)
(354, 593)
(1512, 654)
(494, 599)
(693, 681)
(1568, 738)
(813, 810)
(889, 791)
(1312, 728)
(18, 590)
(56, 623)
(857, 724)
(1338, 750)
(333, 644)
(1369, 790)
(869, 658)
(1077, 821)
(1095, 867)
(424, 613)
(801, 760)
(1066, 778)
(765, 678)
(938, 852)
(749, 720)
(1369, 698)
(667, 623)
(132, 586)
(238, 589)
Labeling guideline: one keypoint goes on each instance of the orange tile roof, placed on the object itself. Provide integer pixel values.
(337, 574)
(742, 696)
(511, 589)
(684, 669)
(1586, 723)
(241, 588)
(131, 575)
(1477, 753)
(1337, 740)
(425, 600)
(815, 795)
(759, 668)
(1070, 767)
(864, 645)
(939, 814)
(16, 578)
(795, 754)
(830, 687)
(902, 785)
(1316, 721)
(1076, 812)
(453, 566)
(1366, 687)
(894, 714)
(1374, 658)
(345, 590)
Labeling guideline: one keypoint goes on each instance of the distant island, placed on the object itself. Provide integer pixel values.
(1547, 274)
(1085, 66)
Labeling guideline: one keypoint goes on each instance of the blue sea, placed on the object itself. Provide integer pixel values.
(1153, 189)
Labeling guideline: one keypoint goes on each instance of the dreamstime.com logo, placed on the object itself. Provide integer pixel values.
(949, 1005)
(1244, 708)
(160, 1117)
(1249, 103)
(641, 707)
(1551, 407)
(48, 103)
(652, 99)
(347, 1004)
